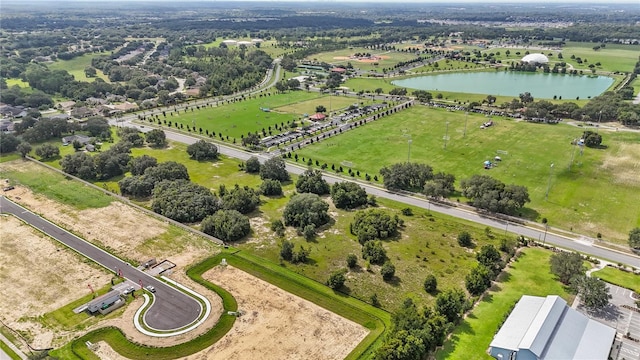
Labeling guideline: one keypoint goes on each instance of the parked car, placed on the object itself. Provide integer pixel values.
(150, 288)
(129, 290)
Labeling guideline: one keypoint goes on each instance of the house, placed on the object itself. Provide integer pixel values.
(318, 117)
(82, 112)
(106, 303)
(64, 117)
(339, 70)
(6, 125)
(13, 112)
(82, 139)
(66, 105)
(542, 328)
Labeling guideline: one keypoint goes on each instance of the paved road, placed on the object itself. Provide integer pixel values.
(171, 309)
(586, 246)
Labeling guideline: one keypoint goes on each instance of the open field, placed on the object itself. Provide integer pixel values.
(471, 339)
(576, 198)
(237, 119)
(387, 59)
(331, 103)
(40, 275)
(19, 82)
(77, 65)
(618, 277)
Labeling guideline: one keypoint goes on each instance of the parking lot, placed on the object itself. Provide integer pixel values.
(622, 315)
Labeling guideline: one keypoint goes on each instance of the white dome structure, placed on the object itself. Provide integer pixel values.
(535, 58)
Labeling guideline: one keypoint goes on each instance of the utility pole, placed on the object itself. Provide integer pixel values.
(546, 196)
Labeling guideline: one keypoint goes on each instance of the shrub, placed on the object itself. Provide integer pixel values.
(227, 225)
(337, 279)
(464, 239)
(352, 261)
(271, 187)
(430, 284)
(373, 252)
(388, 271)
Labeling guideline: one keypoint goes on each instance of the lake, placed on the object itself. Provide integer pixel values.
(509, 83)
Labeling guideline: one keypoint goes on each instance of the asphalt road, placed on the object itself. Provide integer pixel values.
(171, 309)
(586, 246)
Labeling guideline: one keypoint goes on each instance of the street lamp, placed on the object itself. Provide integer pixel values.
(546, 196)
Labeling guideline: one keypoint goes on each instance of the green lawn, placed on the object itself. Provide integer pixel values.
(77, 65)
(580, 199)
(472, 337)
(618, 277)
(19, 82)
(237, 119)
(53, 185)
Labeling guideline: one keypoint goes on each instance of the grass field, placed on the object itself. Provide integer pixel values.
(472, 337)
(580, 199)
(77, 65)
(388, 58)
(58, 188)
(237, 119)
(19, 82)
(618, 277)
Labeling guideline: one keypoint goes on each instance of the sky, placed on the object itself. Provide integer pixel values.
(600, 2)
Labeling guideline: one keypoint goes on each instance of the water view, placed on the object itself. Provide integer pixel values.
(507, 83)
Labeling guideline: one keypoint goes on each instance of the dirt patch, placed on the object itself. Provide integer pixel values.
(118, 227)
(43, 274)
(624, 165)
(279, 325)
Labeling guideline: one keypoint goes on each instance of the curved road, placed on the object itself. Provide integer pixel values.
(171, 309)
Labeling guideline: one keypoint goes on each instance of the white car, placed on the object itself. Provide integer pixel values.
(150, 288)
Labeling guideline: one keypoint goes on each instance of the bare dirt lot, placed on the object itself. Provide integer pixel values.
(275, 325)
(120, 228)
(40, 275)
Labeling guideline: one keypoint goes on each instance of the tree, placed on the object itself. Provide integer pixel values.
(374, 224)
(566, 265)
(373, 252)
(130, 135)
(98, 126)
(352, 261)
(337, 279)
(275, 169)
(348, 195)
(202, 150)
(634, 238)
(406, 176)
(112, 162)
(250, 140)
(478, 280)
(139, 164)
(431, 284)
(226, 225)
(388, 271)
(8, 143)
(242, 199)
(136, 186)
(278, 227)
(286, 250)
(490, 257)
(591, 139)
(464, 239)
(593, 292)
(252, 165)
(157, 138)
(450, 304)
(271, 188)
(24, 148)
(490, 194)
(305, 209)
(183, 201)
(321, 109)
(441, 186)
(47, 151)
(168, 170)
(311, 181)
(79, 164)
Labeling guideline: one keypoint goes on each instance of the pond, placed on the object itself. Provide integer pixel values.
(508, 83)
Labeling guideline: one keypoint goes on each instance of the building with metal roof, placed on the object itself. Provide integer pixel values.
(541, 328)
